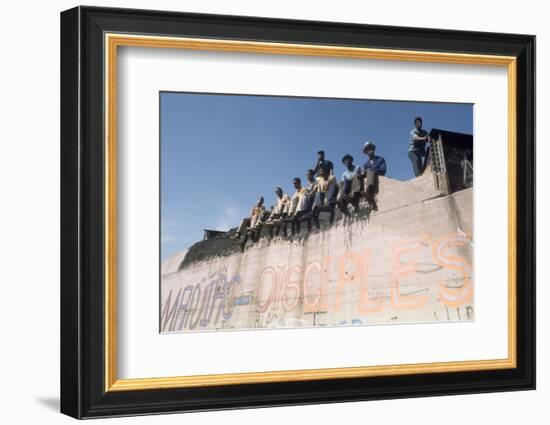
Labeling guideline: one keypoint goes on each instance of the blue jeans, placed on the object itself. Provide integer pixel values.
(416, 159)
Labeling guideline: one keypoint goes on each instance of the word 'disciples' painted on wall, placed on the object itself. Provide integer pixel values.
(330, 285)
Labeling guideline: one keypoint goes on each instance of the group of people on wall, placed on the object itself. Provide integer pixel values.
(322, 192)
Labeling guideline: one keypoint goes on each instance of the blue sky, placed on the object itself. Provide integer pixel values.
(220, 152)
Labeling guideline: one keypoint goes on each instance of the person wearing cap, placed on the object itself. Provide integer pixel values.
(323, 163)
(418, 137)
(350, 186)
(326, 192)
(252, 223)
(372, 169)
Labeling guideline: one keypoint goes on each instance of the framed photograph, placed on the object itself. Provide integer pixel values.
(261, 212)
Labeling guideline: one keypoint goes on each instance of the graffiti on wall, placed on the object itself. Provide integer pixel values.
(338, 290)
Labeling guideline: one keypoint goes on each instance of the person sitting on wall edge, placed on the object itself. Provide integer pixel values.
(350, 186)
(372, 169)
(326, 192)
(278, 213)
(308, 201)
(297, 207)
(253, 223)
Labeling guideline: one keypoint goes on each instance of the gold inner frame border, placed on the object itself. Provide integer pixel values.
(113, 40)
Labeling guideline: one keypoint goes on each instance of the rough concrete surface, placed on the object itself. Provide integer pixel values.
(411, 261)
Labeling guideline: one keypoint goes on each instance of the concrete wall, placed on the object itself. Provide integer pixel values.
(409, 262)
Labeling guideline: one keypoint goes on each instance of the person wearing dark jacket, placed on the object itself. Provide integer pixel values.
(350, 185)
(323, 164)
(372, 169)
(326, 194)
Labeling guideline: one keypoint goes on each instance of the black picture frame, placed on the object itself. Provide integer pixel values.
(83, 392)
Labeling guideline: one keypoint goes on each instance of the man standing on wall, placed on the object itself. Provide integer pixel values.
(417, 146)
(323, 164)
